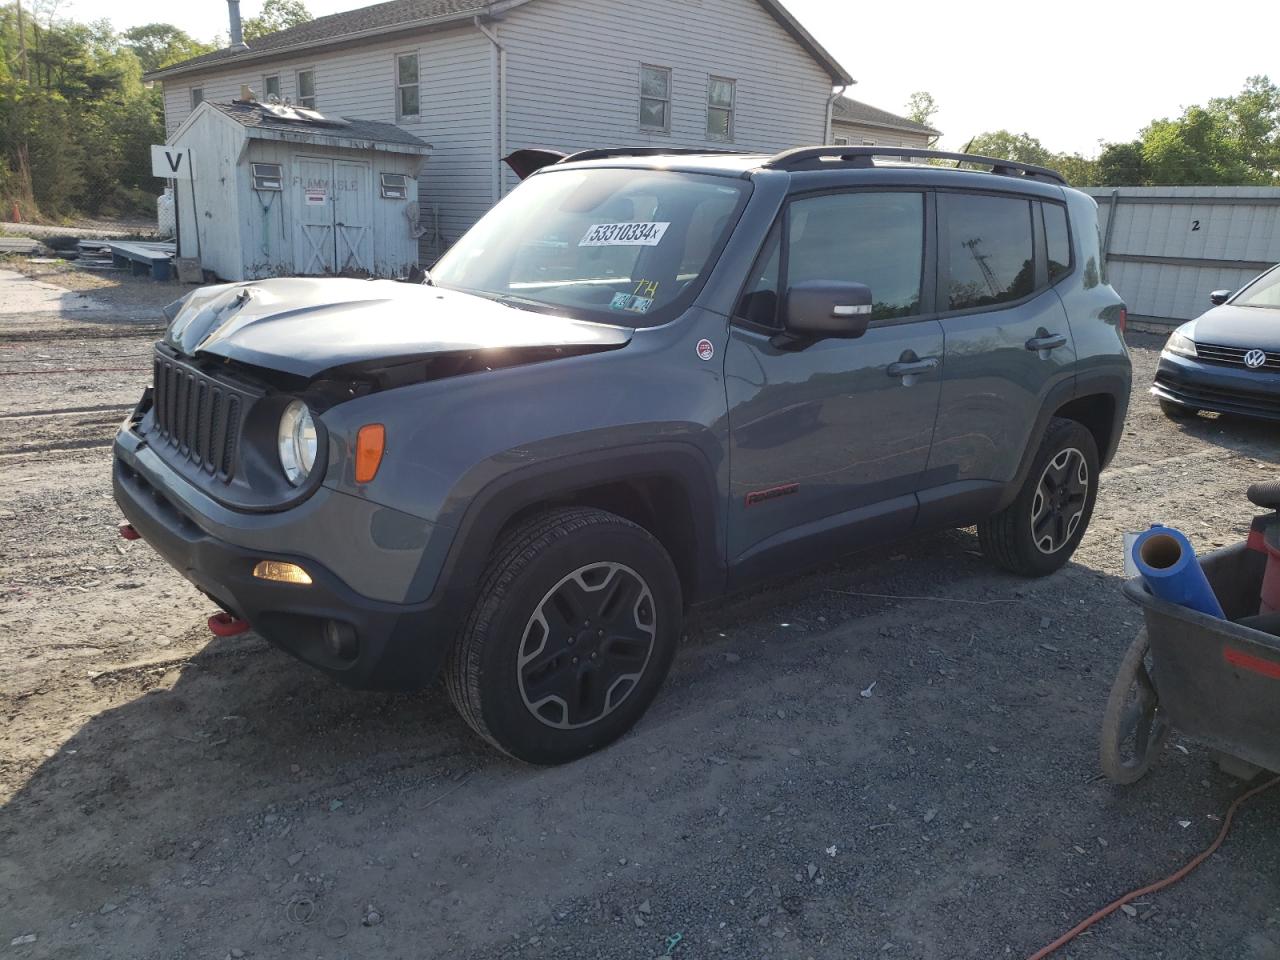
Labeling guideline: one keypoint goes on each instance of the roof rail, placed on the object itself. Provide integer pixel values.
(815, 158)
(603, 153)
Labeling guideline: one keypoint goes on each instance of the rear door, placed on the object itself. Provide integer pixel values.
(828, 442)
(353, 216)
(313, 247)
(1008, 341)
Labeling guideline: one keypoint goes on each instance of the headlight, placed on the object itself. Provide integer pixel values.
(297, 442)
(1180, 345)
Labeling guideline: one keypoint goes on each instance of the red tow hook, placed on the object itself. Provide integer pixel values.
(224, 624)
(128, 532)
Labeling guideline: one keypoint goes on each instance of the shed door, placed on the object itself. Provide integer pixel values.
(313, 239)
(353, 215)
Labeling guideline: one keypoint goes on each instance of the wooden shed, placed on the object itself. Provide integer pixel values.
(271, 190)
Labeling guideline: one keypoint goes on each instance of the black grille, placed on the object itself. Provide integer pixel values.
(198, 416)
(1234, 356)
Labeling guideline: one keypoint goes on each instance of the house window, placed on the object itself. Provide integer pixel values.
(307, 89)
(655, 98)
(271, 87)
(842, 141)
(395, 186)
(720, 109)
(197, 96)
(868, 143)
(406, 85)
(267, 176)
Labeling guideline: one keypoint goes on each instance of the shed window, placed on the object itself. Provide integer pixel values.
(197, 96)
(395, 186)
(655, 98)
(271, 86)
(307, 89)
(720, 93)
(406, 85)
(267, 176)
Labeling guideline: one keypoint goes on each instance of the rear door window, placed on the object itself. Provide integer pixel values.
(989, 250)
(1057, 240)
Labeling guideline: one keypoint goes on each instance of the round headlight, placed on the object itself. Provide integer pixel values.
(297, 442)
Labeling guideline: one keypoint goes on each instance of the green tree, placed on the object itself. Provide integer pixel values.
(1251, 126)
(922, 108)
(276, 15)
(1079, 171)
(1120, 165)
(159, 45)
(1004, 145)
(1193, 149)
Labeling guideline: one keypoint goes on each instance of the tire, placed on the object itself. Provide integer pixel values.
(1133, 710)
(1176, 411)
(516, 677)
(1007, 539)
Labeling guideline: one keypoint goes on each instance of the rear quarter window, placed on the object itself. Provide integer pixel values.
(1057, 240)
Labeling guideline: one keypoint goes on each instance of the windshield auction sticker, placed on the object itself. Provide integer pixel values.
(624, 234)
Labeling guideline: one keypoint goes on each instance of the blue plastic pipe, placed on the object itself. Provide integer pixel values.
(1168, 564)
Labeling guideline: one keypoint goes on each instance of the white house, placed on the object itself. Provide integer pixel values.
(479, 79)
(860, 124)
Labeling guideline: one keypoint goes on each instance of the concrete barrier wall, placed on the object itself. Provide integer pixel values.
(1166, 248)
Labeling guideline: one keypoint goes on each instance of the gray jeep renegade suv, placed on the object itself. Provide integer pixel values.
(641, 381)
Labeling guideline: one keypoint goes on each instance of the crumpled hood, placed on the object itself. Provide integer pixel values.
(304, 326)
(1246, 327)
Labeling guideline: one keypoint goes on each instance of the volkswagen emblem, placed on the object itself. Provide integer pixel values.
(1254, 359)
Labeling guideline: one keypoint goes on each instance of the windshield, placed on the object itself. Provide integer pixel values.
(627, 247)
(1263, 292)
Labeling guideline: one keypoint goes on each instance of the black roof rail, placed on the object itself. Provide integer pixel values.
(603, 153)
(814, 158)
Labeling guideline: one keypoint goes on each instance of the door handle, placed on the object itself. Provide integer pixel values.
(907, 368)
(1047, 342)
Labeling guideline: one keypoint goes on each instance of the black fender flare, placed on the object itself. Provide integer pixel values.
(490, 509)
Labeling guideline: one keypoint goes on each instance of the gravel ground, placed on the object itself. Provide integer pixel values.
(166, 794)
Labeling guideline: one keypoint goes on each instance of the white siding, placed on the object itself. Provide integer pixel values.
(882, 137)
(454, 91)
(573, 74)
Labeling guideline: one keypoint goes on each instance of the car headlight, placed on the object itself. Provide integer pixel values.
(296, 441)
(1180, 345)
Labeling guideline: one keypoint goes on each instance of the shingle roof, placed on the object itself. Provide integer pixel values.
(425, 14)
(338, 26)
(854, 111)
(252, 115)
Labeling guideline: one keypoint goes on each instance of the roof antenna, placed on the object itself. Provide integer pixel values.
(965, 150)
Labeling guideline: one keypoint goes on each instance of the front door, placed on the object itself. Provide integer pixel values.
(353, 216)
(313, 246)
(828, 442)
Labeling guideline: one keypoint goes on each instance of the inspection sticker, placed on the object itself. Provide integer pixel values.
(624, 234)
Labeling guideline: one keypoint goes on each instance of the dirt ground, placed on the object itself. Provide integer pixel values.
(166, 794)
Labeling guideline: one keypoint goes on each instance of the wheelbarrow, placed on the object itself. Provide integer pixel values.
(1216, 681)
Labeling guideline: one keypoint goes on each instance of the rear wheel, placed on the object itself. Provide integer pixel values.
(574, 630)
(1176, 411)
(1040, 530)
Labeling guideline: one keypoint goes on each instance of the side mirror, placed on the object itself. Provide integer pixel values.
(1219, 297)
(826, 308)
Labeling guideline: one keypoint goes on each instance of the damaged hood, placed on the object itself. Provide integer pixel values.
(304, 326)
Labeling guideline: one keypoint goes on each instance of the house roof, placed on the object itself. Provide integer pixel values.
(398, 16)
(847, 110)
(253, 115)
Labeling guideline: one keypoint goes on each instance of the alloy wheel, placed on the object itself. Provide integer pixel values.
(586, 645)
(1060, 499)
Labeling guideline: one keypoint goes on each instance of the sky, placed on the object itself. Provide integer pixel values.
(1069, 74)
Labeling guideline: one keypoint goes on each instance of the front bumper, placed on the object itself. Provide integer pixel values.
(1198, 385)
(397, 645)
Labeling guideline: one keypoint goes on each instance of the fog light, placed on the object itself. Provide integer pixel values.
(281, 572)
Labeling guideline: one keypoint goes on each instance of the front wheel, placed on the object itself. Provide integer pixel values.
(1040, 530)
(574, 630)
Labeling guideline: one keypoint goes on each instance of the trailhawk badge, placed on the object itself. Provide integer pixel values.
(706, 350)
(1253, 359)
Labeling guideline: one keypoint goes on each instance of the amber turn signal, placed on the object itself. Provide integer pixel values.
(370, 442)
